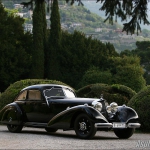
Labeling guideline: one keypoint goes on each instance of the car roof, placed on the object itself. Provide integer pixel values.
(44, 86)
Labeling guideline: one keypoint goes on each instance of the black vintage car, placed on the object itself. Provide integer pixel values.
(54, 107)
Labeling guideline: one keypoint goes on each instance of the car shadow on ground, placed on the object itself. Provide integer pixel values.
(61, 133)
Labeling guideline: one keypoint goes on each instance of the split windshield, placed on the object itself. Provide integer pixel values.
(58, 92)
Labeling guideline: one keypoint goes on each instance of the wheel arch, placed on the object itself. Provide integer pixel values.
(65, 119)
(11, 114)
(127, 114)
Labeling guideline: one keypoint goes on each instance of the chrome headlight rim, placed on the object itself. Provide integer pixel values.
(97, 105)
(112, 108)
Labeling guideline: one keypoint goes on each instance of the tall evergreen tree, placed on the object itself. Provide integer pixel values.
(39, 38)
(52, 71)
(14, 49)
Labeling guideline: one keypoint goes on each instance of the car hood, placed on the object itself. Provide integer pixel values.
(74, 101)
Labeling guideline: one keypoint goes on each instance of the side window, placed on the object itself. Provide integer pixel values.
(34, 95)
(22, 96)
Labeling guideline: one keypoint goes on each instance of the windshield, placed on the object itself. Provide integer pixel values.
(53, 92)
(69, 93)
(59, 92)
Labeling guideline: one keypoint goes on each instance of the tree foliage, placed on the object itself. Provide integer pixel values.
(79, 53)
(54, 41)
(112, 93)
(137, 9)
(94, 75)
(142, 51)
(141, 103)
(134, 12)
(15, 47)
(127, 71)
(39, 33)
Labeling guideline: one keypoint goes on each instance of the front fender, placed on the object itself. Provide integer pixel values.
(65, 119)
(11, 114)
(126, 114)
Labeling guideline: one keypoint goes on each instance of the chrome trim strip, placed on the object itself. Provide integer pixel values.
(133, 125)
(103, 125)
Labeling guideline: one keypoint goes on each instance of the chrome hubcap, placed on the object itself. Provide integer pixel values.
(82, 126)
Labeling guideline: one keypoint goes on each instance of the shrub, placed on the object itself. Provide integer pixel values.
(112, 93)
(11, 92)
(141, 103)
(94, 75)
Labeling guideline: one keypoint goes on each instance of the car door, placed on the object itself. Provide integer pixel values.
(34, 106)
(56, 100)
(39, 110)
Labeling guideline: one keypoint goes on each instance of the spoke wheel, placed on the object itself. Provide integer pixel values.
(84, 127)
(124, 133)
(51, 130)
(14, 128)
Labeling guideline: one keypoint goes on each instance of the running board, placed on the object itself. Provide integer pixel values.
(35, 124)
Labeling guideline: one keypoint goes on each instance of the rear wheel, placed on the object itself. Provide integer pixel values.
(51, 130)
(14, 128)
(84, 127)
(124, 133)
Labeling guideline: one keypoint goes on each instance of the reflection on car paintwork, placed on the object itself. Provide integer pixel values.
(54, 107)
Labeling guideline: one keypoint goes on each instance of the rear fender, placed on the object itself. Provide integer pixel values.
(65, 119)
(126, 114)
(11, 114)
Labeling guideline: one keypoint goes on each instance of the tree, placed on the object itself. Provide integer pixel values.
(127, 71)
(15, 47)
(111, 49)
(143, 51)
(94, 75)
(136, 9)
(54, 42)
(39, 38)
(79, 53)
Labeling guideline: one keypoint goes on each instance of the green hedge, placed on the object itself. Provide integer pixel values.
(112, 93)
(11, 92)
(141, 103)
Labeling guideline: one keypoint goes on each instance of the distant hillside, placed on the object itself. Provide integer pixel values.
(82, 19)
(10, 3)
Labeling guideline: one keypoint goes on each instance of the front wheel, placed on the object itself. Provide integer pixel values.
(14, 128)
(124, 133)
(84, 127)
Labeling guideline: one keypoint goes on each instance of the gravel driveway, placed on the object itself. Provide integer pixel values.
(32, 138)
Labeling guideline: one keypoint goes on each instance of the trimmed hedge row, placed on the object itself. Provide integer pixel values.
(11, 92)
(141, 103)
(112, 93)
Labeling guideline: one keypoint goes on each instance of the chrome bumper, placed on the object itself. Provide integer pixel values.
(103, 125)
(110, 125)
(133, 125)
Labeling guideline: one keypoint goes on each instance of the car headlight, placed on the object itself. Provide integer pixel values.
(97, 105)
(112, 108)
(108, 108)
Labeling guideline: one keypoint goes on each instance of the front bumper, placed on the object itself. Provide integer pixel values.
(134, 125)
(110, 125)
(103, 125)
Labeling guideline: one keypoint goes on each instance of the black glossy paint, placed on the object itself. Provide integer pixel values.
(55, 112)
(65, 119)
(125, 114)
